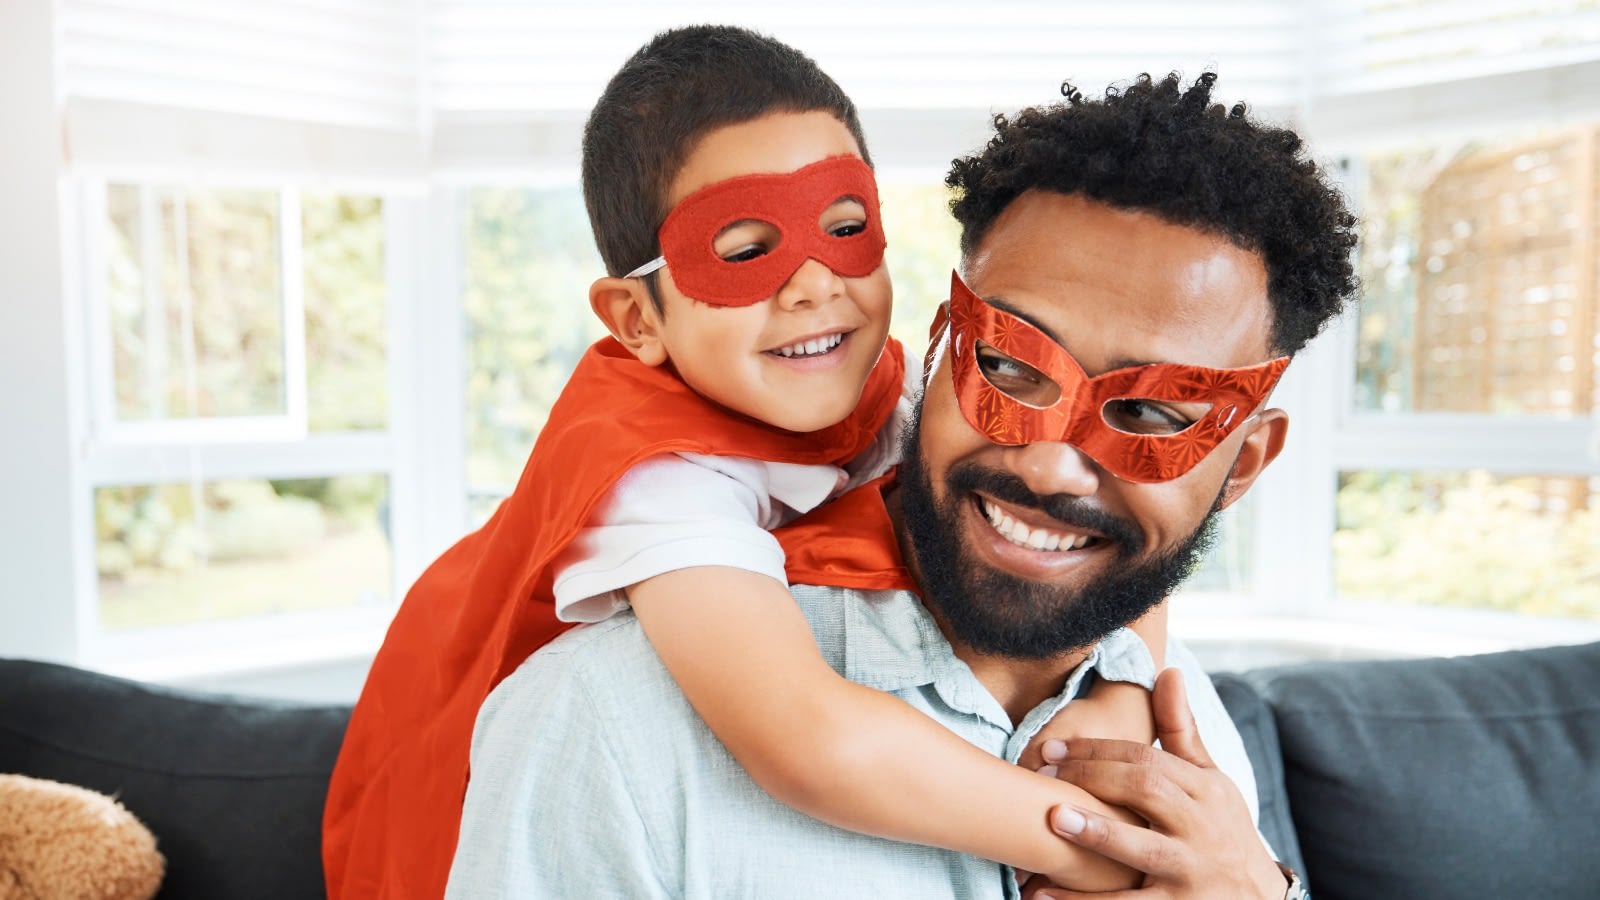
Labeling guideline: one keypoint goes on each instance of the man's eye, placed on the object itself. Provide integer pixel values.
(1016, 379)
(996, 366)
(1135, 416)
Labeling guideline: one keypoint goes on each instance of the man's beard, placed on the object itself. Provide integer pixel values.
(996, 613)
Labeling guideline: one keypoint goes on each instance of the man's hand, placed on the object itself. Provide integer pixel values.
(1201, 842)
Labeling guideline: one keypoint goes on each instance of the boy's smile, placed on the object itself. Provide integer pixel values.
(798, 359)
(811, 347)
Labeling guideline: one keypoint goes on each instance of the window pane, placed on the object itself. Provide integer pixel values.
(1230, 562)
(178, 553)
(347, 385)
(1480, 265)
(195, 298)
(924, 245)
(1525, 544)
(529, 259)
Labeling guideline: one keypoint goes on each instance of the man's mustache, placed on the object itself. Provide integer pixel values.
(1071, 511)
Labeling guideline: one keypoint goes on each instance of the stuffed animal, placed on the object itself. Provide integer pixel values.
(59, 842)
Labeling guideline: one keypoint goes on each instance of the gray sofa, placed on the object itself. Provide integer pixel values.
(1445, 778)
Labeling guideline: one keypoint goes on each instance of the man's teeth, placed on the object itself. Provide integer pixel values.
(812, 347)
(1032, 538)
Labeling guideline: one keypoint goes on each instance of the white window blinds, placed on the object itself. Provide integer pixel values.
(1399, 71)
(557, 54)
(1369, 45)
(509, 81)
(275, 82)
(409, 85)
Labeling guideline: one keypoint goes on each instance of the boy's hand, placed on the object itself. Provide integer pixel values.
(1201, 842)
(1112, 709)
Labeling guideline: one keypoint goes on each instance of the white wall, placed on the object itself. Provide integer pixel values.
(37, 614)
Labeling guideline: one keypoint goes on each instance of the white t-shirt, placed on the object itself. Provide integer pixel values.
(686, 510)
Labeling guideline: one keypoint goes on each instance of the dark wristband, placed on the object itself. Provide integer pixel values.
(1297, 888)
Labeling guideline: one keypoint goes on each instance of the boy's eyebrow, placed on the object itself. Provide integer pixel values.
(1116, 364)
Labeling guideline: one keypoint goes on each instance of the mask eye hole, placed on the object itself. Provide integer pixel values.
(1155, 418)
(845, 217)
(746, 240)
(1016, 379)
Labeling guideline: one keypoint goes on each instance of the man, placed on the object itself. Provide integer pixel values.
(1135, 273)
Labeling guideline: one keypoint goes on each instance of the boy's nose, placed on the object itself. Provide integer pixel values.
(1054, 467)
(812, 284)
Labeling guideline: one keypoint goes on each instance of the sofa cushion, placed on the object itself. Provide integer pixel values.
(231, 788)
(1253, 717)
(1467, 777)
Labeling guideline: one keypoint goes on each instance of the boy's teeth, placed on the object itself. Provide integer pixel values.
(812, 347)
(1032, 538)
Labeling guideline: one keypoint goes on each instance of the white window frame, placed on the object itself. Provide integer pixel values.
(413, 457)
(1296, 593)
(108, 428)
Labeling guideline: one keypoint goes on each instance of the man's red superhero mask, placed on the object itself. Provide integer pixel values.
(793, 205)
(1142, 424)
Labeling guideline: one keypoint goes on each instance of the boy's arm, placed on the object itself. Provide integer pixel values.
(741, 651)
(1112, 709)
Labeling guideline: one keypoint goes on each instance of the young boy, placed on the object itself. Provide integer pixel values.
(748, 379)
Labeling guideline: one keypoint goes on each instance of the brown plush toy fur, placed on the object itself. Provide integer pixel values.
(59, 842)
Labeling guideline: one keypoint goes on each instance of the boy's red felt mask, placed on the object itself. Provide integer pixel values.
(793, 203)
(1142, 424)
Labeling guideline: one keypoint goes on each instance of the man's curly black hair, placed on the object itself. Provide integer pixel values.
(1158, 147)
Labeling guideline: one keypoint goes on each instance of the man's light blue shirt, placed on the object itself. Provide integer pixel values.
(593, 777)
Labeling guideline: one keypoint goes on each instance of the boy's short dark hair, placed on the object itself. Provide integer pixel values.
(683, 84)
(1158, 147)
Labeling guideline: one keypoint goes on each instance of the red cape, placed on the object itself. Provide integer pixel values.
(394, 805)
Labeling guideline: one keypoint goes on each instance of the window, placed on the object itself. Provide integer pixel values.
(1469, 479)
(252, 362)
(239, 387)
(529, 259)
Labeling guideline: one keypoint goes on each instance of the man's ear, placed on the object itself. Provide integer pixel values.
(1262, 444)
(624, 305)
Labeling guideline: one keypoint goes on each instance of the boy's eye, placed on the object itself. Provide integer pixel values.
(1016, 379)
(845, 218)
(745, 253)
(1133, 415)
(746, 240)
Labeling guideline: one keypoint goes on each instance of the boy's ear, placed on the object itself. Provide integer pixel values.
(624, 305)
(1261, 446)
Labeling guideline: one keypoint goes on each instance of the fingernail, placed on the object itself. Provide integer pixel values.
(1068, 820)
(1048, 771)
(1053, 751)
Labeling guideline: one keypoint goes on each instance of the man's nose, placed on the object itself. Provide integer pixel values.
(812, 284)
(1054, 467)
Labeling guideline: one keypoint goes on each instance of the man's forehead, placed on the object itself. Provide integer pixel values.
(1119, 288)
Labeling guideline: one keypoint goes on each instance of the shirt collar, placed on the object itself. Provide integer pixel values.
(892, 643)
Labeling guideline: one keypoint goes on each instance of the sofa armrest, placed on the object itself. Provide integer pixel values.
(231, 787)
(1438, 778)
(1253, 717)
